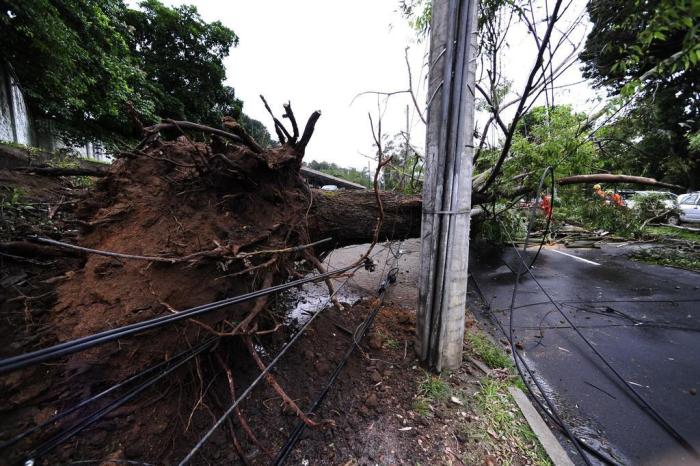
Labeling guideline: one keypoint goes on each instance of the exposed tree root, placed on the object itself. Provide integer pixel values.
(270, 379)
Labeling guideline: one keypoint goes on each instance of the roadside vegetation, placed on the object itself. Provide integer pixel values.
(499, 426)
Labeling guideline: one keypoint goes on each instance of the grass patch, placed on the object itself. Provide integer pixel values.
(669, 257)
(421, 406)
(391, 343)
(433, 388)
(499, 416)
(669, 232)
(485, 350)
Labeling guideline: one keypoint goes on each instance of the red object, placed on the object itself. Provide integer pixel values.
(617, 199)
(546, 205)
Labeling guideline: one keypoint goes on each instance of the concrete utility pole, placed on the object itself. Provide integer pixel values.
(447, 184)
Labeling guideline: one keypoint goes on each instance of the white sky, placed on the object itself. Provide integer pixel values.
(319, 54)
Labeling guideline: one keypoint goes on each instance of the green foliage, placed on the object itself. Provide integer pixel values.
(421, 406)
(485, 350)
(596, 215)
(650, 206)
(182, 58)
(257, 131)
(349, 174)
(12, 198)
(433, 388)
(82, 63)
(669, 257)
(498, 412)
(635, 39)
(72, 60)
(650, 51)
(669, 232)
(511, 224)
(404, 172)
(391, 343)
(418, 13)
(551, 136)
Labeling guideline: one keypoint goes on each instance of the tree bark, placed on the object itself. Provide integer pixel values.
(349, 217)
(609, 178)
(51, 171)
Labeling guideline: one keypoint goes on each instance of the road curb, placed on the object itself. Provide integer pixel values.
(544, 434)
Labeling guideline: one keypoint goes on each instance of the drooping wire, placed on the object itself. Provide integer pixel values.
(293, 438)
(511, 341)
(549, 409)
(262, 374)
(648, 408)
(92, 399)
(83, 343)
(63, 436)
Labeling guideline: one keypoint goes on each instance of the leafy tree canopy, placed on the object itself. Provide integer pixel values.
(81, 63)
(648, 40)
(182, 58)
(649, 52)
(350, 174)
(549, 137)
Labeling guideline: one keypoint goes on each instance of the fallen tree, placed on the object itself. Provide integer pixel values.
(179, 222)
(610, 178)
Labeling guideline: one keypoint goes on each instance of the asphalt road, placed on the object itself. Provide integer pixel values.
(644, 319)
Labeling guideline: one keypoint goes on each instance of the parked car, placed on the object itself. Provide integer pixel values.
(689, 205)
(329, 187)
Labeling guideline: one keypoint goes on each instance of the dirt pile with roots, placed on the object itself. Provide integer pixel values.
(205, 216)
(207, 220)
(194, 214)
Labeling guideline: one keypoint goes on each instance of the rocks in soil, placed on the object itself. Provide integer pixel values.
(375, 341)
(322, 367)
(372, 401)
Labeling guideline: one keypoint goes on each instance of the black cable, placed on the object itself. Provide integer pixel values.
(262, 374)
(79, 344)
(549, 410)
(648, 408)
(511, 340)
(293, 438)
(63, 436)
(94, 398)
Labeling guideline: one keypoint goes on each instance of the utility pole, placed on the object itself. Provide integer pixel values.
(447, 184)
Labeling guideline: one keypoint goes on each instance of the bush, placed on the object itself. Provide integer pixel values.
(651, 206)
(510, 224)
(593, 214)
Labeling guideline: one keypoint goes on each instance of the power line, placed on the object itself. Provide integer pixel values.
(63, 436)
(262, 374)
(648, 408)
(80, 344)
(293, 438)
(85, 402)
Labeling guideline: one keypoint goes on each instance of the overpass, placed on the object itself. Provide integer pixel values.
(317, 179)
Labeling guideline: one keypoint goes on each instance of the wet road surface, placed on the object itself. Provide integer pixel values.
(644, 319)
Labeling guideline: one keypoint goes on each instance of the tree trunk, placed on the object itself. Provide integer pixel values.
(609, 178)
(349, 217)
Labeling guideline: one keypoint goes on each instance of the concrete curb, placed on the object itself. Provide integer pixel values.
(551, 445)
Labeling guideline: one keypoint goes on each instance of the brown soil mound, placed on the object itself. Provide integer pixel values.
(219, 216)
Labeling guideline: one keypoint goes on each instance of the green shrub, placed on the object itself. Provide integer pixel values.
(651, 206)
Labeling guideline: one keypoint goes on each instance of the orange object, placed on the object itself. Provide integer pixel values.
(546, 205)
(617, 200)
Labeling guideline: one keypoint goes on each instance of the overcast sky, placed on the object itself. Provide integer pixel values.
(320, 54)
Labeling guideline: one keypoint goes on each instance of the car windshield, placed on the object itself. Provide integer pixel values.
(689, 199)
